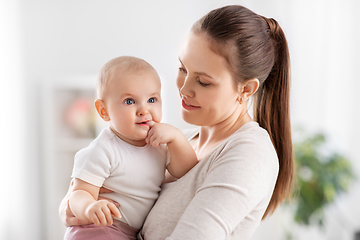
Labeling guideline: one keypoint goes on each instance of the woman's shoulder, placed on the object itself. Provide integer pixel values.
(250, 143)
(248, 151)
(251, 127)
(249, 133)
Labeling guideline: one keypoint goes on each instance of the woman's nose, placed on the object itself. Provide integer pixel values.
(185, 88)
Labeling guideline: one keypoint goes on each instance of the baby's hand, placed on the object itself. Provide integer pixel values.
(161, 133)
(101, 212)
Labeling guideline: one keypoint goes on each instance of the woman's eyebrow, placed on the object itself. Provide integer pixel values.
(198, 73)
(203, 74)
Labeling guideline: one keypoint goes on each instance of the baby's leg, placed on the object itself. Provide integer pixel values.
(127, 232)
(86, 232)
(118, 231)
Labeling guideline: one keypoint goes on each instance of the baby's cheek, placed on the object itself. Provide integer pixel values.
(157, 117)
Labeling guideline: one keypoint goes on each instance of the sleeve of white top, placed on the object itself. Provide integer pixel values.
(93, 164)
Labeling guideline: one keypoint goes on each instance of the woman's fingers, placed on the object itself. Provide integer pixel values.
(105, 190)
(109, 200)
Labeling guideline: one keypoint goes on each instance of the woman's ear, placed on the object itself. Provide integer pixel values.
(248, 88)
(101, 109)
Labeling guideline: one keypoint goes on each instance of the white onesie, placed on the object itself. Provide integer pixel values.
(133, 173)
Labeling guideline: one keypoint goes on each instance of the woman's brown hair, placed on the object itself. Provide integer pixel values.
(255, 47)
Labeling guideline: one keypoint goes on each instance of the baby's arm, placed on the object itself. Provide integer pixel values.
(85, 206)
(182, 155)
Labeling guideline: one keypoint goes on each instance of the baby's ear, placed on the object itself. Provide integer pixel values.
(101, 109)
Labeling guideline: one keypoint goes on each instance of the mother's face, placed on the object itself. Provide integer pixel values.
(205, 84)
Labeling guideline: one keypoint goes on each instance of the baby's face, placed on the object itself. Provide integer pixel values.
(133, 99)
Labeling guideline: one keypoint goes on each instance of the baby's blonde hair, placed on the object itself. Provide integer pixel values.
(120, 65)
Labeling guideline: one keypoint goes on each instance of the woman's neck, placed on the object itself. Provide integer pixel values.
(212, 136)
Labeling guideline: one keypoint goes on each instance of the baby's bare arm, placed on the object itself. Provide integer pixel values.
(65, 213)
(84, 204)
(182, 155)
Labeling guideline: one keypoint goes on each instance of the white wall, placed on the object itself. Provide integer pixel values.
(44, 41)
(12, 203)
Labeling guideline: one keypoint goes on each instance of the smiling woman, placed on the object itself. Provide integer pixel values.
(206, 73)
(245, 167)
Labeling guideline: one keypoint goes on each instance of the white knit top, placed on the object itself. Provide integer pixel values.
(223, 197)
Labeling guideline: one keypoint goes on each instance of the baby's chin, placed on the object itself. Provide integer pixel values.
(138, 142)
(141, 138)
(137, 139)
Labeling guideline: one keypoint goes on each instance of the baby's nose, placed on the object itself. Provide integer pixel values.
(142, 111)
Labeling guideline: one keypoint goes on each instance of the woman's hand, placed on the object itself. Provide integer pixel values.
(105, 190)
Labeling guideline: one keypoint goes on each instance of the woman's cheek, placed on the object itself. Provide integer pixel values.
(180, 81)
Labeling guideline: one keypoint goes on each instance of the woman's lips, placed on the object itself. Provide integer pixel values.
(188, 107)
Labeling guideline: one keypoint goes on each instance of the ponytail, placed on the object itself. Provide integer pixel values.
(272, 112)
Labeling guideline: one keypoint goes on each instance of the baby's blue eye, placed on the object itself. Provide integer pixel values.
(129, 101)
(151, 100)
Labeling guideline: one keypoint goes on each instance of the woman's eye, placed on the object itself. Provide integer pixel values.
(151, 100)
(201, 83)
(181, 69)
(129, 101)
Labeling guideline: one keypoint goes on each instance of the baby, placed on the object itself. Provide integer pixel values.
(129, 157)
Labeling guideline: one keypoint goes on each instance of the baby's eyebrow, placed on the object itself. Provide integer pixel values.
(126, 95)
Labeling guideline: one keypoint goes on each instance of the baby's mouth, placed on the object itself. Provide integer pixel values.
(142, 123)
(148, 123)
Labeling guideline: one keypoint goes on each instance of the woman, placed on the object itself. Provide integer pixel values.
(245, 165)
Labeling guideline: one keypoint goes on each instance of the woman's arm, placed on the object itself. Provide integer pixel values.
(182, 155)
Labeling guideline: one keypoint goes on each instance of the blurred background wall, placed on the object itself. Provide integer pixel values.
(50, 52)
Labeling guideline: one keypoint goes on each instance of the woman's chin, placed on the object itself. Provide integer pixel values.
(189, 118)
